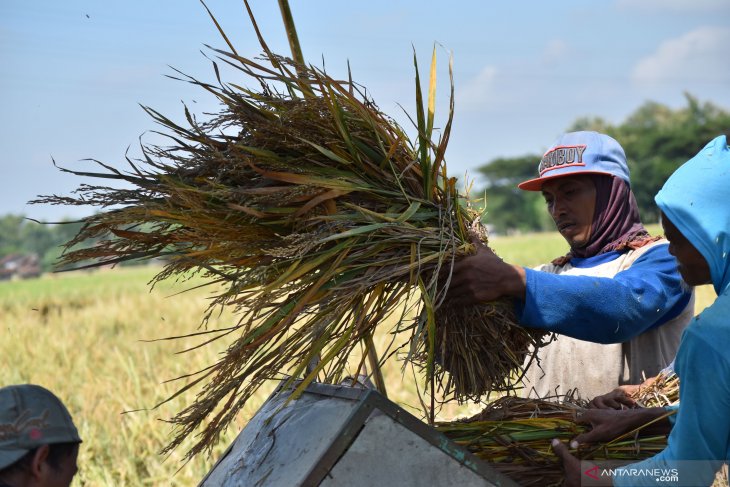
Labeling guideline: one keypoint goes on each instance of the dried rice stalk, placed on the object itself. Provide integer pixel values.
(316, 217)
(514, 435)
(476, 356)
(663, 391)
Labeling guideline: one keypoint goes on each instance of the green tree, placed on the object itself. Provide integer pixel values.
(11, 234)
(508, 208)
(657, 139)
(23, 236)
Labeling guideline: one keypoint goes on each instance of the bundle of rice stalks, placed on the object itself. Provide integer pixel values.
(514, 435)
(472, 357)
(663, 391)
(316, 218)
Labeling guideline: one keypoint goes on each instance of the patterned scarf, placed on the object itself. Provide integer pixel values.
(616, 223)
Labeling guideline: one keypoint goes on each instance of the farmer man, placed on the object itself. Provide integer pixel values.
(696, 221)
(39, 443)
(616, 299)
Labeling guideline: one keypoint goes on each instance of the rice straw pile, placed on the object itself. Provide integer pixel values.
(514, 436)
(315, 218)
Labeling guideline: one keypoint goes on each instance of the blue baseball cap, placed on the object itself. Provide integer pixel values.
(577, 153)
(31, 416)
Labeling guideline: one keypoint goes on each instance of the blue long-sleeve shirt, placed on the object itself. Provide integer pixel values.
(700, 439)
(694, 199)
(619, 316)
(606, 309)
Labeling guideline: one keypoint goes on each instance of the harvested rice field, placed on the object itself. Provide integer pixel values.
(85, 336)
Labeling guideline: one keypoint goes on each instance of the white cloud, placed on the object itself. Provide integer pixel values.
(555, 50)
(674, 5)
(697, 56)
(479, 90)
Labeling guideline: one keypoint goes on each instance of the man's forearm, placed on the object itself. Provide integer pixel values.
(643, 416)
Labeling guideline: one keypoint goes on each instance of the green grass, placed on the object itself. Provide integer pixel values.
(529, 250)
(80, 334)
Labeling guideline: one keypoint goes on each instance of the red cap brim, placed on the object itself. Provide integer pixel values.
(536, 184)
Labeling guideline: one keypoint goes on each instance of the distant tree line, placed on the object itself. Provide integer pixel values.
(23, 236)
(656, 139)
(19, 235)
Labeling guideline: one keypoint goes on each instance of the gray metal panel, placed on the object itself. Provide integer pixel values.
(283, 450)
(371, 400)
(386, 453)
(300, 444)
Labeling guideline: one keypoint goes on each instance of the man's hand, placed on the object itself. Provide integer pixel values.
(571, 465)
(607, 424)
(484, 277)
(619, 398)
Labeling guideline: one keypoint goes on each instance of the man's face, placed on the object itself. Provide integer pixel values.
(571, 202)
(61, 476)
(692, 266)
(67, 470)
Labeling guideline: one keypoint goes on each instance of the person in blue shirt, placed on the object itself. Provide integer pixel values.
(696, 220)
(616, 300)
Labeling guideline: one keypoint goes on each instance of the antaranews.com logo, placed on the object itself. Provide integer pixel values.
(603, 473)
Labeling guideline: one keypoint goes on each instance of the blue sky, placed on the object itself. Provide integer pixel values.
(74, 72)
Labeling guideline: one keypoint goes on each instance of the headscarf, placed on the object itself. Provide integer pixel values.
(616, 223)
(695, 199)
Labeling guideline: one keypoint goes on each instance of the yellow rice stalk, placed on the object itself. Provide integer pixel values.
(664, 391)
(514, 435)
